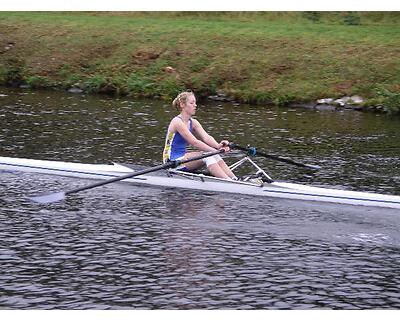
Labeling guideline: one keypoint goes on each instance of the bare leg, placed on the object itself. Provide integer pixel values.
(217, 171)
(226, 169)
(193, 165)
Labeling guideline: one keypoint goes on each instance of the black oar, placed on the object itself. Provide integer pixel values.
(252, 151)
(57, 196)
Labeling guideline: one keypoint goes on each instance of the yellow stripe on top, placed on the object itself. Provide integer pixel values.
(167, 147)
(175, 145)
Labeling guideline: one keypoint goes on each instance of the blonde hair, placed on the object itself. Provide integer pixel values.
(181, 98)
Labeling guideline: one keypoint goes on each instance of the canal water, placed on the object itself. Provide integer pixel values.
(129, 247)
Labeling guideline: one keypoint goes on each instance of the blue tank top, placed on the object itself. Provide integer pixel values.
(175, 145)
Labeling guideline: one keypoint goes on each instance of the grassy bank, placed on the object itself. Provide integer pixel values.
(278, 58)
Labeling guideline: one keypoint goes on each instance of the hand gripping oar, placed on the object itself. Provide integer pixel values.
(252, 151)
(57, 196)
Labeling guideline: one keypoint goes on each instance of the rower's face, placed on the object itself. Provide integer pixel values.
(190, 106)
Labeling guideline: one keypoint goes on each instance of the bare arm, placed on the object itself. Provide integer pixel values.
(180, 127)
(208, 139)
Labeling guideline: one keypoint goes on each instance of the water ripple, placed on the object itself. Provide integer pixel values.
(125, 247)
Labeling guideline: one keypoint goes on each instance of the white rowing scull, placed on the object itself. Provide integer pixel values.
(173, 178)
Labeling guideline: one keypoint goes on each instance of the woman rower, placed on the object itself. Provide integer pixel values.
(184, 130)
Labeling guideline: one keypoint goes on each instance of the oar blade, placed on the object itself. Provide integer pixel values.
(48, 198)
(313, 167)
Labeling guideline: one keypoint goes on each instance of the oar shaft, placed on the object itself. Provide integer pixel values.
(167, 165)
(253, 152)
(130, 175)
(282, 159)
(57, 196)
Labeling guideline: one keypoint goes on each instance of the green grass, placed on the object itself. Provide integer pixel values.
(254, 57)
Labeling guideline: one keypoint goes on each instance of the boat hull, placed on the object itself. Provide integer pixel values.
(200, 182)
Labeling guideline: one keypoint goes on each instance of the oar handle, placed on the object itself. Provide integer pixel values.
(252, 151)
